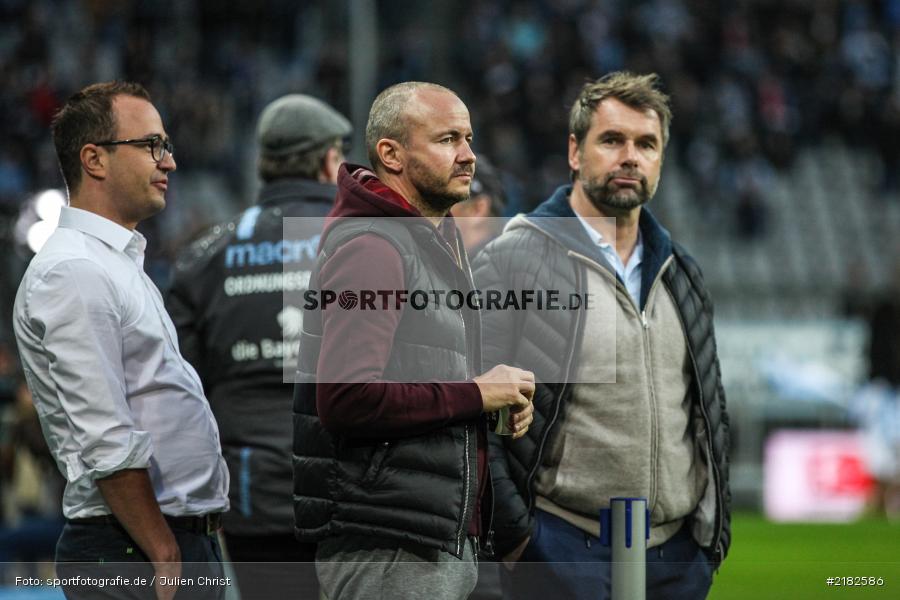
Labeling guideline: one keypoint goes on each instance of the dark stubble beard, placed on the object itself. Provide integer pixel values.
(606, 196)
(434, 190)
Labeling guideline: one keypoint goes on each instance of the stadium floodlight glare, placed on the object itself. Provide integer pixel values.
(47, 205)
(38, 234)
(38, 218)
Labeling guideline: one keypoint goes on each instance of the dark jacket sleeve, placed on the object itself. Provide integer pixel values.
(182, 306)
(491, 269)
(352, 398)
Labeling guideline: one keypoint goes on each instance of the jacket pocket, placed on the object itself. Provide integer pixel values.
(375, 463)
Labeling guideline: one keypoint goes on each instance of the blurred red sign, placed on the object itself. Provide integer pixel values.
(815, 476)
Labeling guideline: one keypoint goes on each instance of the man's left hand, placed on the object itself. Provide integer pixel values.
(520, 418)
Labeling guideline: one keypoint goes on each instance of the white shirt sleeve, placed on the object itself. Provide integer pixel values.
(75, 310)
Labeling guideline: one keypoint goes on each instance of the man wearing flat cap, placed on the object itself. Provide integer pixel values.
(229, 300)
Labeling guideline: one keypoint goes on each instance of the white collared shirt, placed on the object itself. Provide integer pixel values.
(630, 274)
(110, 386)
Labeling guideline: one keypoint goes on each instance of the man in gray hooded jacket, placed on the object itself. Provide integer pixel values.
(659, 430)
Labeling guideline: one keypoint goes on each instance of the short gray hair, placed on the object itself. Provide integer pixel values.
(388, 115)
(640, 92)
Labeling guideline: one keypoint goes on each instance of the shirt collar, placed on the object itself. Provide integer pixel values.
(595, 235)
(132, 243)
(637, 254)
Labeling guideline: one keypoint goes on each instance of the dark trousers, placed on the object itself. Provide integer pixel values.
(562, 561)
(273, 566)
(96, 559)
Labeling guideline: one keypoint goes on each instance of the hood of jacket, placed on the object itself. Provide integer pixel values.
(570, 233)
(361, 194)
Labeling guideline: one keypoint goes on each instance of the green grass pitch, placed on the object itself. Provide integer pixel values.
(793, 561)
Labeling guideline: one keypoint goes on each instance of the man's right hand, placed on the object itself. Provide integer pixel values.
(505, 386)
(129, 495)
(171, 571)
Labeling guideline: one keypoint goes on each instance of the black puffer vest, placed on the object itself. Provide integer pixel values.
(420, 489)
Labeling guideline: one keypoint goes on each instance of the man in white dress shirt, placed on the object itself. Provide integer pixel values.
(123, 413)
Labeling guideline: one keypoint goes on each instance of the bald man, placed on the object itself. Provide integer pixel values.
(392, 414)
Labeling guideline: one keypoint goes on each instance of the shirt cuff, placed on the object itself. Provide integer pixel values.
(135, 454)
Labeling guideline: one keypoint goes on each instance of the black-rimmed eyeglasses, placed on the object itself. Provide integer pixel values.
(159, 147)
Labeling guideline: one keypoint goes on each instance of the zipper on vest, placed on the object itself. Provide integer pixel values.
(464, 520)
(460, 265)
(488, 528)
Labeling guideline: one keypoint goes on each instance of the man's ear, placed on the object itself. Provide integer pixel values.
(94, 161)
(391, 155)
(574, 153)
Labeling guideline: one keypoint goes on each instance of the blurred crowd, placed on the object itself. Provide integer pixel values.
(751, 81)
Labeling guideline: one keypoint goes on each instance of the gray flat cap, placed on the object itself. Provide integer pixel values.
(297, 123)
